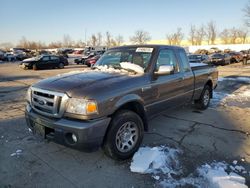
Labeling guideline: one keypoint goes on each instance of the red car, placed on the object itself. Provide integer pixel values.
(91, 61)
(236, 57)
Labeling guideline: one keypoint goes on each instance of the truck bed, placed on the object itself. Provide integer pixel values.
(198, 66)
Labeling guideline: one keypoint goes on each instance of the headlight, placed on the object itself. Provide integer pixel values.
(81, 106)
(28, 95)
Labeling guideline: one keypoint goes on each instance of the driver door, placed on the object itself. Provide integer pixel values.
(167, 88)
(45, 62)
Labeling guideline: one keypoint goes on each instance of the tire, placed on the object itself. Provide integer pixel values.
(204, 100)
(34, 67)
(61, 66)
(124, 135)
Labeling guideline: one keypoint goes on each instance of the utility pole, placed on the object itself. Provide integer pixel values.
(85, 33)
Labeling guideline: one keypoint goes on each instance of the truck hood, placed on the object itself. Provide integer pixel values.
(85, 83)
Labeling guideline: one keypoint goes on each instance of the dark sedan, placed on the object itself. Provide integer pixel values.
(220, 59)
(44, 62)
(198, 58)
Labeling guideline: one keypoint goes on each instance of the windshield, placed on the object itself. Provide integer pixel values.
(136, 57)
(217, 56)
(194, 57)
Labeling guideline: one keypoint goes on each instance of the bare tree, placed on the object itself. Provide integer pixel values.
(200, 35)
(170, 39)
(175, 38)
(242, 34)
(113, 43)
(55, 45)
(6, 46)
(108, 39)
(99, 39)
(80, 44)
(211, 32)
(119, 40)
(140, 37)
(23, 43)
(93, 40)
(225, 36)
(246, 10)
(233, 35)
(192, 34)
(178, 36)
(67, 41)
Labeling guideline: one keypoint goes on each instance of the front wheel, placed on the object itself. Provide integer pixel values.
(124, 135)
(205, 97)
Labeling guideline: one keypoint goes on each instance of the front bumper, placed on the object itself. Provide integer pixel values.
(89, 134)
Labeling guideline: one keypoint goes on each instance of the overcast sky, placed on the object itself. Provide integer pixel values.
(49, 20)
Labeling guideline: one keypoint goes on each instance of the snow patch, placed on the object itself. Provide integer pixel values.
(155, 160)
(235, 162)
(163, 162)
(17, 153)
(221, 98)
(134, 67)
(105, 68)
(236, 79)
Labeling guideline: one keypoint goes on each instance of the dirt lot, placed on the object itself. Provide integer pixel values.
(219, 133)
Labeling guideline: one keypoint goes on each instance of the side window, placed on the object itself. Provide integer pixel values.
(184, 61)
(46, 58)
(167, 57)
(54, 58)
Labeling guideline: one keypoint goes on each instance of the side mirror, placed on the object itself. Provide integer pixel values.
(165, 70)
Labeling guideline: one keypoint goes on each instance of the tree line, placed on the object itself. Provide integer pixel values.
(209, 34)
(197, 36)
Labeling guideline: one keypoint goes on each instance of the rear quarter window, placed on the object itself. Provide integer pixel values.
(184, 61)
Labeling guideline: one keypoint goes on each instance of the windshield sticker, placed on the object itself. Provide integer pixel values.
(149, 50)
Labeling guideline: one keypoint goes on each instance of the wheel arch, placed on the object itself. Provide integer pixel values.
(134, 103)
(210, 84)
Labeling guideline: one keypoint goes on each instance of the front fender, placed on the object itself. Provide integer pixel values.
(128, 98)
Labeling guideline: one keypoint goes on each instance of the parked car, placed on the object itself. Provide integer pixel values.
(65, 52)
(64, 60)
(88, 55)
(110, 106)
(197, 58)
(2, 55)
(43, 62)
(9, 57)
(220, 59)
(91, 61)
(236, 57)
(84, 58)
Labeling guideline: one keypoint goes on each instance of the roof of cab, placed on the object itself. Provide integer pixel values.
(158, 46)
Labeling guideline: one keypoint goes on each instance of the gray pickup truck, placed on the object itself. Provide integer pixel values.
(110, 105)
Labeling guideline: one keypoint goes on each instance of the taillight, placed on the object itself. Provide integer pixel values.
(92, 61)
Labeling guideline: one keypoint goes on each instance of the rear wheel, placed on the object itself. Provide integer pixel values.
(34, 67)
(61, 65)
(204, 100)
(124, 136)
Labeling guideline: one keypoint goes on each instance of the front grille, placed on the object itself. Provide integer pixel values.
(48, 103)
